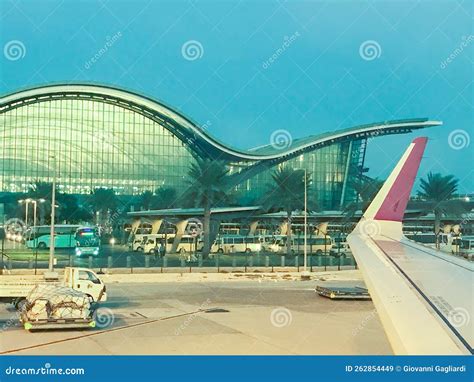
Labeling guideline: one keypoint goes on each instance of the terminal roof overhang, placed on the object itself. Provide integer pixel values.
(198, 140)
(186, 213)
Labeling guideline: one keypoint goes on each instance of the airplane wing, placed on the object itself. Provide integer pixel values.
(424, 297)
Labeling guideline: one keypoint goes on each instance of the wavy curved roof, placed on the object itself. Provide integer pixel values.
(194, 136)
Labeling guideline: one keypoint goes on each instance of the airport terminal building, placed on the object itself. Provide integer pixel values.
(94, 136)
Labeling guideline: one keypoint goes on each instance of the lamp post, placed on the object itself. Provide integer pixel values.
(305, 274)
(35, 207)
(27, 202)
(53, 207)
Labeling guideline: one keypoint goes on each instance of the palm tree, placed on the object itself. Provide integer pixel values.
(366, 188)
(208, 182)
(287, 194)
(102, 200)
(437, 192)
(146, 200)
(70, 210)
(41, 190)
(165, 197)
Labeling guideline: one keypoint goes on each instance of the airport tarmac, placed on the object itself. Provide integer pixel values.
(261, 315)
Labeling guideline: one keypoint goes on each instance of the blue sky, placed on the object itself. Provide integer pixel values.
(321, 81)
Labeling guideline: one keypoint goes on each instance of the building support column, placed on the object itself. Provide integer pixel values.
(283, 228)
(253, 228)
(135, 225)
(214, 229)
(155, 226)
(180, 229)
(346, 174)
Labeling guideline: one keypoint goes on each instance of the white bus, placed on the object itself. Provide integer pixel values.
(319, 245)
(232, 244)
(466, 247)
(187, 244)
(40, 236)
(447, 242)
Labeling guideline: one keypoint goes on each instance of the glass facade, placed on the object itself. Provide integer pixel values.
(94, 144)
(329, 167)
(91, 142)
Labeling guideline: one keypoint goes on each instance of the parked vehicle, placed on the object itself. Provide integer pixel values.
(137, 244)
(40, 236)
(314, 245)
(233, 244)
(153, 243)
(466, 247)
(15, 288)
(187, 244)
(340, 246)
(447, 242)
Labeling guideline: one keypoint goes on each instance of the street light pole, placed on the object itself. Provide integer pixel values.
(26, 201)
(305, 224)
(305, 275)
(53, 206)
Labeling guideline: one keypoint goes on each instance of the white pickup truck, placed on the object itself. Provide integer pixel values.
(15, 288)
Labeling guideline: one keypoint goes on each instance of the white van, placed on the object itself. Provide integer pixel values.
(233, 244)
(137, 244)
(152, 243)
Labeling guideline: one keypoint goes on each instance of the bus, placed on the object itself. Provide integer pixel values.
(40, 236)
(466, 247)
(187, 244)
(447, 242)
(87, 241)
(319, 245)
(232, 244)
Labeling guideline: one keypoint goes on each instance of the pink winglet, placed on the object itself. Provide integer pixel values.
(395, 203)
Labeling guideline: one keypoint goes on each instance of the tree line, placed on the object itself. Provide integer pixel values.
(208, 185)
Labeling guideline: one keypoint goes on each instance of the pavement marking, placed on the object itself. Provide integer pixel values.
(101, 332)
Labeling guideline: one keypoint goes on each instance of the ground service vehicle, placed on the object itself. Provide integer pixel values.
(15, 288)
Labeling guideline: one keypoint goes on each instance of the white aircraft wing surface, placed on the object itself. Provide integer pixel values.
(424, 297)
